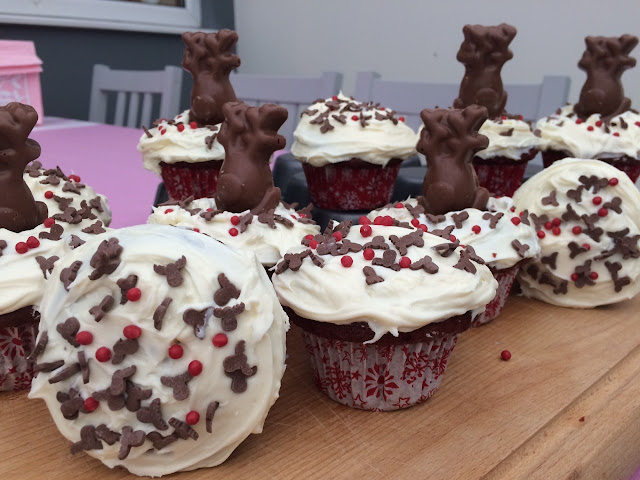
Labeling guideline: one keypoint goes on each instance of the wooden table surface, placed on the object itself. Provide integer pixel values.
(490, 418)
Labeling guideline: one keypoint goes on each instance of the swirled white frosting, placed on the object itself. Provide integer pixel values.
(591, 138)
(405, 301)
(178, 144)
(555, 277)
(268, 243)
(341, 135)
(494, 245)
(260, 327)
(509, 138)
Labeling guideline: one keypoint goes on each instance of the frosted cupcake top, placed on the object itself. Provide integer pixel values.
(508, 137)
(394, 278)
(587, 214)
(269, 235)
(178, 140)
(161, 350)
(593, 137)
(340, 128)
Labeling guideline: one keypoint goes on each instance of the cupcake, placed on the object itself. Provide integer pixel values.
(247, 212)
(162, 352)
(602, 125)
(588, 218)
(351, 152)
(500, 167)
(184, 150)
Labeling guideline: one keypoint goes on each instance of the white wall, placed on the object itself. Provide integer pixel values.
(418, 39)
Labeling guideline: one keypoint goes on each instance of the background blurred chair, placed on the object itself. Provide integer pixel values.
(159, 91)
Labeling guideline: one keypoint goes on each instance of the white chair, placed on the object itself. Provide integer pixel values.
(532, 101)
(293, 93)
(129, 87)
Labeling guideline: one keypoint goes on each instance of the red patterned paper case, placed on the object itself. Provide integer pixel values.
(378, 377)
(16, 344)
(183, 180)
(500, 178)
(345, 188)
(505, 279)
(628, 165)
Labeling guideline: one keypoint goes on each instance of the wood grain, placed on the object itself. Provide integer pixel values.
(490, 419)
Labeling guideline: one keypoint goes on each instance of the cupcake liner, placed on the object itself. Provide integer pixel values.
(16, 344)
(501, 177)
(626, 164)
(346, 187)
(505, 279)
(378, 377)
(183, 180)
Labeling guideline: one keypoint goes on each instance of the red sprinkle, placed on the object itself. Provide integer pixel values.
(363, 220)
(401, 119)
(368, 254)
(233, 232)
(515, 221)
(103, 354)
(579, 121)
(405, 262)
(75, 178)
(556, 231)
(48, 194)
(132, 332)
(337, 236)
(168, 210)
(219, 340)
(48, 222)
(33, 242)
(21, 247)
(84, 337)
(235, 220)
(593, 275)
(541, 234)
(548, 225)
(513, 209)
(494, 255)
(308, 237)
(476, 229)
(597, 200)
(616, 134)
(399, 205)
(423, 227)
(505, 355)
(387, 221)
(354, 118)
(302, 215)
(313, 244)
(599, 123)
(193, 125)
(452, 238)
(503, 117)
(134, 294)
(574, 277)
(365, 231)
(209, 209)
(377, 221)
(197, 230)
(576, 230)
(637, 124)
(415, 222)
(175, 351)
(602, 212)
(195, 368)
(590, 128)
(334, 98)
(192, 417)
(556, 222)
(90, 404)
(346, 261)
(587, 246)
(162, 132)
(613, 181)
(180, 127)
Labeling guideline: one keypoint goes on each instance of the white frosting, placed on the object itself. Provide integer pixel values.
(262, 326)
(493, 245)
(560, 131)
(562, 177)
(405, 301)
(269, 244)
(188, 145)
(377, 143)
(513, 146)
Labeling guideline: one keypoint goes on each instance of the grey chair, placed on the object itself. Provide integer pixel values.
(140, 96)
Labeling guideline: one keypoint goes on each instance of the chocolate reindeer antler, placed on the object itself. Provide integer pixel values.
(449, 140)
(209, 59)
(249, 136)
(483, 53)
(604, 60)
(18, 210)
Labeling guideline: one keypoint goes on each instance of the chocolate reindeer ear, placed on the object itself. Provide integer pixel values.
(449, 141)
(483, 53)
(605, 60)
(209, 58)
(249, 136)
(18, 210)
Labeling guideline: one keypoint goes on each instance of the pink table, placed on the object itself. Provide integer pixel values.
(105, 157)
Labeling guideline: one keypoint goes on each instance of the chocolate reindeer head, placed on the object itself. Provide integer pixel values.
(18, 210)
(483, 53)
(449, 140)
(604, 60)
(249, 136)
(209, 58)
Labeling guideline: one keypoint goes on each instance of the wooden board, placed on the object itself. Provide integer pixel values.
(490, 418)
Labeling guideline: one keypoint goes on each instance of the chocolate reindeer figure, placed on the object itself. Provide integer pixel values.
(483, 53)
(249, 136)
(604, 60)
(209, 58)
(18, 210)
(449, 140)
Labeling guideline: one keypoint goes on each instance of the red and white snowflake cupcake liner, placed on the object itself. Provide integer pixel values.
(197, 180)
(16, 344)
(505, 279)
(502, 176)
(378, 377)
(348, 187)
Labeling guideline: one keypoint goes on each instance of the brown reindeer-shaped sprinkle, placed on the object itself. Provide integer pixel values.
(209, 59)
(483, 53)
(449, 140)
(18, 210)
(249, 136)
(604, 60)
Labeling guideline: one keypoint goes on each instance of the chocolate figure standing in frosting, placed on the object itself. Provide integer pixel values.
(209, 58)
(449, 140)
(483, 53)
(18, 209)
(249, 136)
(604, 60)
